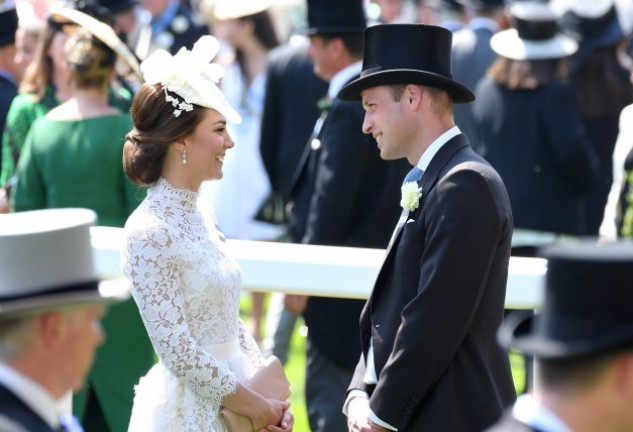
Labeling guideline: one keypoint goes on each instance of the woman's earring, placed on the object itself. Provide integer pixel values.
(184, 156)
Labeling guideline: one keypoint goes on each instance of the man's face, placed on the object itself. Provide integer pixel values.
(321, 52)
(81, 334)
(387, 121)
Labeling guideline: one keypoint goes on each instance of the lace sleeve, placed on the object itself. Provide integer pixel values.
(150, 263)
(249, 346)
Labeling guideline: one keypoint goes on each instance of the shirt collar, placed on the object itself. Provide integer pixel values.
(342, 77)
(531, 412)
(33, 394)
(435, 146)
(161, 23)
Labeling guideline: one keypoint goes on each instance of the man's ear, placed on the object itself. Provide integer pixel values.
(51, 326)
(413, 95)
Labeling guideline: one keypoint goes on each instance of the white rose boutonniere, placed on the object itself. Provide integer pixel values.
(411, 195)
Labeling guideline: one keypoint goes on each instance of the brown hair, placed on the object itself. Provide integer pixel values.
(89, 60)
(602, 84)
(155, 128)
(527, 74)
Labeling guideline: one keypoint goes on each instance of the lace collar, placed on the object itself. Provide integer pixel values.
(183, 196)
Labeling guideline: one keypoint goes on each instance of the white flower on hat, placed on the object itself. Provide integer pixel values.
(191, 75)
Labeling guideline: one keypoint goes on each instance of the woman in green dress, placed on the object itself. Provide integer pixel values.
(72, 157)
(45, 85)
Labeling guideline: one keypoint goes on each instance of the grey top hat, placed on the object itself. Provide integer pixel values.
(407, 54)
(588, 307)
(46, 262)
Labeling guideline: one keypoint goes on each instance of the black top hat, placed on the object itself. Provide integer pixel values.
(8, 26)
(336, 17)
(588, 307)
(116, 6)
(407, 54)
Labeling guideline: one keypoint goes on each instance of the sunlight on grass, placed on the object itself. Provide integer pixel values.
(295, 369)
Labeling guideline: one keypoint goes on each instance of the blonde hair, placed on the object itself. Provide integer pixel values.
(89, 60)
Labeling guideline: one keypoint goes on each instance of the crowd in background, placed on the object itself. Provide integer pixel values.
(555, 125)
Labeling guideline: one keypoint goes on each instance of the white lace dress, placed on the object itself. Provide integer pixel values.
(187, 289)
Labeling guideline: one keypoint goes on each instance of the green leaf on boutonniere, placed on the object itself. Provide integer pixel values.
(324, 103)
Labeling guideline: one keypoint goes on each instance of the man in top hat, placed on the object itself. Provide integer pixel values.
(472, 54)
(8, 68)
(51, 302)
(342, 194)
(583, 340)
(430, 360)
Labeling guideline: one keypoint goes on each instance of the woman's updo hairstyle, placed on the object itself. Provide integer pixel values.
(89, 60)
(155, 128)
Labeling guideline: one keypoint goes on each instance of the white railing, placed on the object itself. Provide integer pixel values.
(321, 270)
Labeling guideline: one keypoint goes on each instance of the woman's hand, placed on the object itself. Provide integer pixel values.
(286, 425)
(273, 415)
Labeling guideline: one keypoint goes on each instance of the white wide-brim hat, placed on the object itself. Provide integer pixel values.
(231, 9)
(535, 34)
(46, 262)
(507, 43)
(101, 31)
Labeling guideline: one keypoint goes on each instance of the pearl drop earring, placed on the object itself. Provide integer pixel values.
(184, 156)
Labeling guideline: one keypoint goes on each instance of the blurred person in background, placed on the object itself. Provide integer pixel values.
(583, 340)
(248, 31)
(472, 54)
(30, 29)
(167, 24)
(528, 126)
(51, 305)
(603, 86)
(73, 158)
(287, 122)
(46, 84)
(9, 71)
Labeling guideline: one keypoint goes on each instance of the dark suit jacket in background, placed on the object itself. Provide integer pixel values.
(8, 90)
(14, 410)
(538, 144)
(438, 301)
(290, 111)
(346, 195)
(471, 57)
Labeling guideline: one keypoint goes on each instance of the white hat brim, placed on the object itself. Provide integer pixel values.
(101, 31)
(508, 44)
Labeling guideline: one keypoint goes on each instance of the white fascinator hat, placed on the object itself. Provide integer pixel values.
(192, 76)
(47, 262)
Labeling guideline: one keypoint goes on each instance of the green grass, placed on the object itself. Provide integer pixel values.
(295, 369)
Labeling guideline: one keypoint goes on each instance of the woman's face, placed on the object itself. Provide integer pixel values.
(206, 148)
(56, 51)
(25, 47)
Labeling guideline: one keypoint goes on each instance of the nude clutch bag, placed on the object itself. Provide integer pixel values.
(271, 382)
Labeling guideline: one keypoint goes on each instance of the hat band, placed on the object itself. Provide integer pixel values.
(535, 30)
(74, 288)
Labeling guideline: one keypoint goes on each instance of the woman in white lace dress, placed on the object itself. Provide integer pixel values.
(184, 281)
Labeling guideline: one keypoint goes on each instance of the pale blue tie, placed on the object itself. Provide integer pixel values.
(414, 175)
